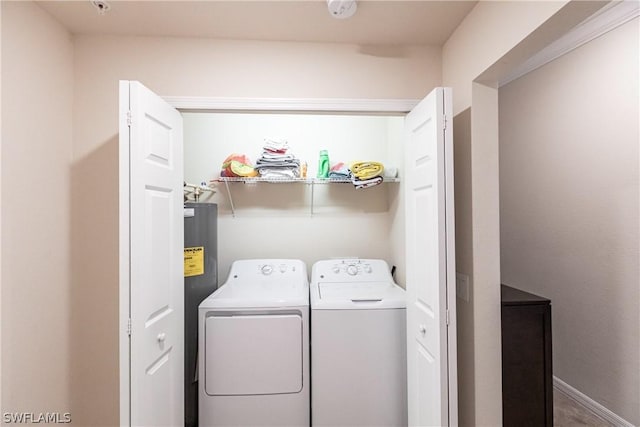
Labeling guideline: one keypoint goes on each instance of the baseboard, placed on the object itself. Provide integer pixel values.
(590, 404)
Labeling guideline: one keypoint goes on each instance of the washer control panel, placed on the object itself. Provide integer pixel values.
(340, 270)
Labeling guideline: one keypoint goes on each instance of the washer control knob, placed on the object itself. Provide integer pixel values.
(267, 269)
(283, 268)
(352, 270)
(336, 269)
(367, 268)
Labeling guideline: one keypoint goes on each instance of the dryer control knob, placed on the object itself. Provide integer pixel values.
(336, 269)
(352, 270)
(267, 269)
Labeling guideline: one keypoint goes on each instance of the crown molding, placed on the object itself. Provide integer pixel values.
(606, 19)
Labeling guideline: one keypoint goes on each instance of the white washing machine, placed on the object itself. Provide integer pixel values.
(254, 347)
(358, 342)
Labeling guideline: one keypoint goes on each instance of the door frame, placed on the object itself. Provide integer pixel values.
(337, 105)
(391, 106)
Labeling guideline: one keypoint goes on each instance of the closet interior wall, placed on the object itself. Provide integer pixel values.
(275, 220)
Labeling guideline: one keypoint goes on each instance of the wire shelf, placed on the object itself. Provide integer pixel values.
(309, 181)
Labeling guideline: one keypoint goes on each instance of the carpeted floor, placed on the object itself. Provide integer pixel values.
(569, 413)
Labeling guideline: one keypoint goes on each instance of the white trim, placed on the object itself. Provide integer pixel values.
(590, 404)
(452, 324)
(606, 19)
(124, 297)
(293, 104)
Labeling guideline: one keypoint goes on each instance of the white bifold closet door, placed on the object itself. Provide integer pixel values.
(151, 258)
(431, 329)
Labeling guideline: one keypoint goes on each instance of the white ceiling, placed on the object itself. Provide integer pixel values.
(375, 22)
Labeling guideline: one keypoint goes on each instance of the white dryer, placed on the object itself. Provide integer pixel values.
(358, 342)
(254, 347)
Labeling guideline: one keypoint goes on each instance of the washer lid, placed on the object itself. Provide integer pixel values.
(356, 296)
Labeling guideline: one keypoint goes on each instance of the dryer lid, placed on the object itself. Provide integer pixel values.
(262, 283)
(357, 296)
(258, 295)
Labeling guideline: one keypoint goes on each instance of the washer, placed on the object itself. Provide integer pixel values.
(254, 342)
(358, 341)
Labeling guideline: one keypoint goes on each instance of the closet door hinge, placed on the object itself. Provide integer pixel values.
(447, 317)
(129, 326)
(129, 121)
(445, 122)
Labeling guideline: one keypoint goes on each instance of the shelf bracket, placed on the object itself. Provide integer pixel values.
(312, 188)
(233, 209)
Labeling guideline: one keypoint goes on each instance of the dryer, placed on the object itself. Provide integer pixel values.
(254, 347)
(358, 341)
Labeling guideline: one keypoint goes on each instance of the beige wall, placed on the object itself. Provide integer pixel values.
(464, 263)
(1, 406)
(502, 25)
(569, 184)
(37, 97)
(217, 68)
(486, 249)
(492, 39)
(188, 67)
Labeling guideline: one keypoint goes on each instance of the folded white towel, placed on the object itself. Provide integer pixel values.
(275, 156)
(279, 173)
(276, 144)
(390, 172)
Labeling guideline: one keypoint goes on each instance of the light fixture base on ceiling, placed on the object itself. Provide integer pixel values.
(101, 6)
(342, 9)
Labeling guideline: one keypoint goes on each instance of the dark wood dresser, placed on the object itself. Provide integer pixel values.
(527, 375)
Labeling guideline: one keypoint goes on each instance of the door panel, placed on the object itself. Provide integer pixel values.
(429, 409)
(158, 143)
(253, 354)
(155, 258)
(431, 354)
(157, 285)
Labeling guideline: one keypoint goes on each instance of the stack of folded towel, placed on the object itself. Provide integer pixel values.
(275, 162)
(366, 174)
(339, 171)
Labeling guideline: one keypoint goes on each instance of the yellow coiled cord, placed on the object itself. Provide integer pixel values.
(366, 170)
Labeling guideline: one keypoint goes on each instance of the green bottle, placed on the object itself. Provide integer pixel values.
(323, 164)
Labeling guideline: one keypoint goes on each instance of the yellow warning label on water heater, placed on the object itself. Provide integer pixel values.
(193, 261)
